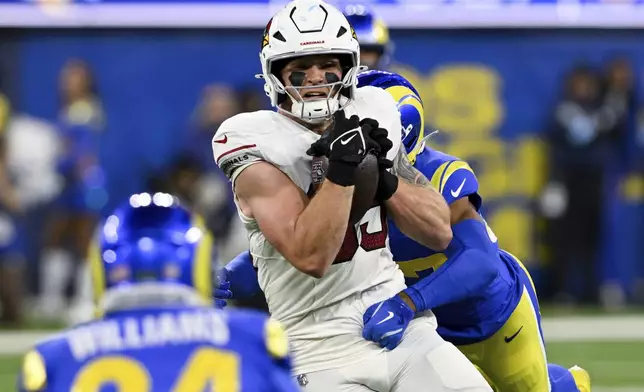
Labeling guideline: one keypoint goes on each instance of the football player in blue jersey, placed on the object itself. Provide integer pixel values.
(152, 272)
(77, 209)
(375, 47)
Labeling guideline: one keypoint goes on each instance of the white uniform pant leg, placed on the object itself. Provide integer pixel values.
(365, 376)
(425, 362)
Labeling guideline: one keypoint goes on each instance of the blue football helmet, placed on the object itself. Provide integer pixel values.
(410, 106)
(152, 238)
(373, 35)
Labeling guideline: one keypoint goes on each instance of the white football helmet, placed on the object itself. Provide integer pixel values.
(309, 27)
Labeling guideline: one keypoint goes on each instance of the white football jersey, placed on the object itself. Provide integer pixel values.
(323, 317)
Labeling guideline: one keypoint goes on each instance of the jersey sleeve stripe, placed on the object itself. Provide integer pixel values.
(442, 180)
(438, 175)
(234, 150)
(457, 165)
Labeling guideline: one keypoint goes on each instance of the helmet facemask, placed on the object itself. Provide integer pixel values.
(340, 91)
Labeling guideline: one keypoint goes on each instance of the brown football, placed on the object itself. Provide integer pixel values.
(366, 184)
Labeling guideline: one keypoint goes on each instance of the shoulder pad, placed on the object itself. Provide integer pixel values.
(376, 103)
(276, 341)
(455, 180)
(33, 376)
(233, 147)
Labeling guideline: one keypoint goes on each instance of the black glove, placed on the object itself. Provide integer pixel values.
(345, 145)
(387, 183)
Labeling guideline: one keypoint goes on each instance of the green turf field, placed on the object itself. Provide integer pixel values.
(611, 348)
(611, 364)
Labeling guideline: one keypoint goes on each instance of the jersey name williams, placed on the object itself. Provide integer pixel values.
(148, 331)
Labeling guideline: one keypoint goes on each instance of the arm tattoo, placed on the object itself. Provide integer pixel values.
(407, 172)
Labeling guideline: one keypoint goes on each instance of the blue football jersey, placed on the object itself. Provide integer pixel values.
(185, 349)
(474, 319)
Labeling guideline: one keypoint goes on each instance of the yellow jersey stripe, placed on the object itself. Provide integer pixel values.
(456, 165)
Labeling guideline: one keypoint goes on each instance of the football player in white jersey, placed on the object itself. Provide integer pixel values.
(318, 272)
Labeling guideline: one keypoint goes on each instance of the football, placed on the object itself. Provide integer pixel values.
(366, 184)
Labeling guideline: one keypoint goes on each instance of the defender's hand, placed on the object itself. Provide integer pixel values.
(387, 183)
(222, 291)
(385, 322)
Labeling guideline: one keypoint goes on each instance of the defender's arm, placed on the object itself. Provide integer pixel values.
(308, 233)
(417, 208)
(470, 266)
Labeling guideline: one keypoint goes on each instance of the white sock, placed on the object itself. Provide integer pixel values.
(84, 292)
(56, 270)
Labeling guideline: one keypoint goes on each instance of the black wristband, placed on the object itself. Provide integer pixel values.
(341, 173)
(387, 186)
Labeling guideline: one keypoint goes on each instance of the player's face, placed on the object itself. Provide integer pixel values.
(308, 77)
(370, 58)
(75, 81)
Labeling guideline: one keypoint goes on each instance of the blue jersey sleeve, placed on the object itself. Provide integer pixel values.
(455, 180)
(242, 276)
(278, 348)
(470, 268)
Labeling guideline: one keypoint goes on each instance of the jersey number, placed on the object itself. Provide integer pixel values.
(368, 241)
(206, 366)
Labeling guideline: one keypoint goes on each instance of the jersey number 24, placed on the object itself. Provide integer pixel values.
(205, 366)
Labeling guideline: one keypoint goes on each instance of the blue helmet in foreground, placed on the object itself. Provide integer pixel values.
(373, 35)
(152, 238)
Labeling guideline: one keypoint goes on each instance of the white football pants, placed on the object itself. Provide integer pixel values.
(422, 362)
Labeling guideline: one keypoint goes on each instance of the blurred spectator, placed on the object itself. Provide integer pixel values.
(195, 177)
(589, 126)
(213, 194)
(180, 180)
(33, 147)
(218, 103)
(81, 122)
(11, 260)
(251, 100)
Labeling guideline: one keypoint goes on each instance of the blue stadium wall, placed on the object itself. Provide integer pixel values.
(491, 93)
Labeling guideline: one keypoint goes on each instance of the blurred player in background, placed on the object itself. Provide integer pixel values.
(74, 220)
(11, 258)
(376, 49)
(152, 271)
(319, 272)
